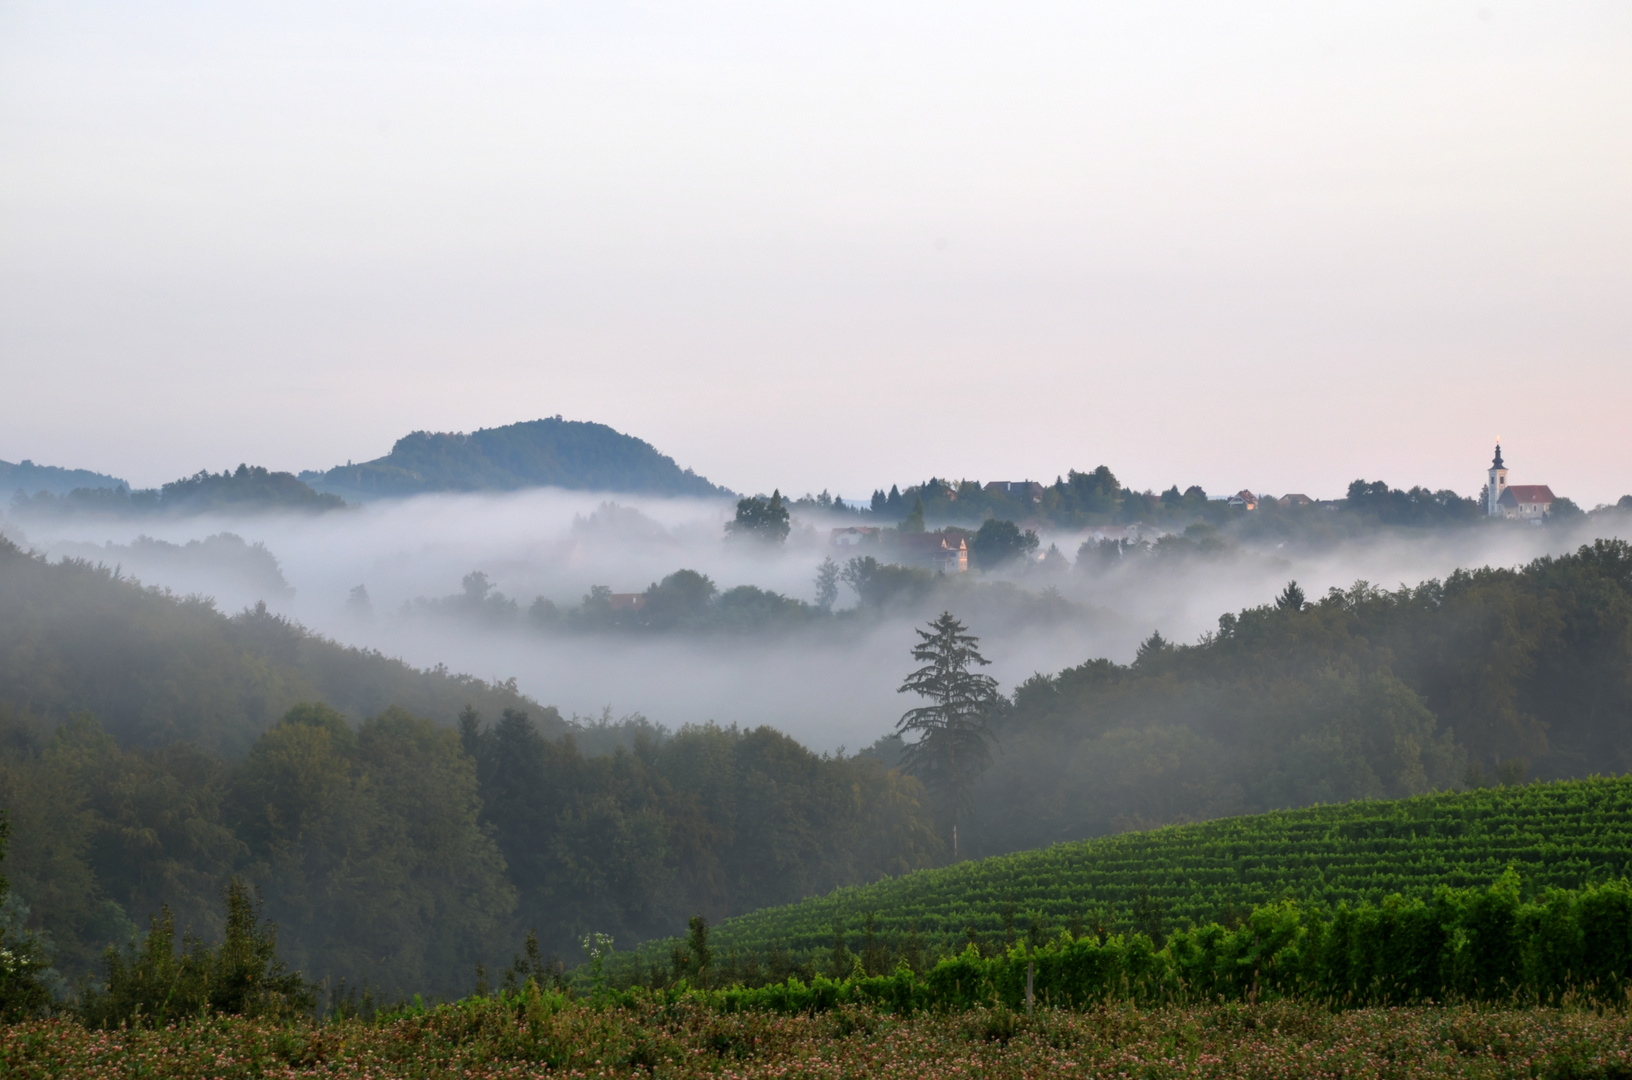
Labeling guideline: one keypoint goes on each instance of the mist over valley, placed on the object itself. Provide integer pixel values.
(828, 680)
(702, 539)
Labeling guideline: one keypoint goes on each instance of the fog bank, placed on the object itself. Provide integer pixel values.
(828, 683)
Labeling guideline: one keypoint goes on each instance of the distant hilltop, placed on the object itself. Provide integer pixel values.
(249, 488)
(27, 477)
(536, 453)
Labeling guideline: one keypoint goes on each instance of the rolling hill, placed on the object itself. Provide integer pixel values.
(537, 453)
(1563, 834)
(154, 668)
(31, 479)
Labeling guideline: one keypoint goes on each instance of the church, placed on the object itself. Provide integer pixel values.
(1520, 502)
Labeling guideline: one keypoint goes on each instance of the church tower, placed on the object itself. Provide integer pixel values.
(1497, 484)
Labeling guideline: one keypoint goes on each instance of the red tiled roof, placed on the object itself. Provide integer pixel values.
(1522, 494)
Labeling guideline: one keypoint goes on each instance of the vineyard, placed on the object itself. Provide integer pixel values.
(1565, 835)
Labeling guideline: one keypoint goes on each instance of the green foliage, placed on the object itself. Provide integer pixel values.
(156, 668)
(551, 452)
(28, 478)
(24, 967)
(684, 602)
(1564, 509)
(914, 522)
(680, 600)
(1419, 506)
(1362, 693)
(1097, 497)
(477, 602)
(697, 949)
(153, 984)
(711, 821)
(762, 520)
(369, 849)
(881, 585)
(998, 542)
(247, 488)
(952, 732)
(827, 584)
(1462, 944)
(1558, 835)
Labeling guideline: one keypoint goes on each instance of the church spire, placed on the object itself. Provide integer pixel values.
(1497, 464)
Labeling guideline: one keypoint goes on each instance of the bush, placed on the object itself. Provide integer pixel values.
(154, 984)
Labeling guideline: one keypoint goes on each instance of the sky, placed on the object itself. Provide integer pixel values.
(842, 245)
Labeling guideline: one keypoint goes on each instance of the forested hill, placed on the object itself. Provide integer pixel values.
(246, 489)
(155, 668)
(536, 453)
(151, 747)
(30, 479)
(1361, 693)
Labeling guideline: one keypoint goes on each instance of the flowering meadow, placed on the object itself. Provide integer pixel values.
(488, 1038)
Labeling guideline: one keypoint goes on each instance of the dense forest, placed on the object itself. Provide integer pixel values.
(536, 453)
(1362, 693)
(151, 746)
(404, 826)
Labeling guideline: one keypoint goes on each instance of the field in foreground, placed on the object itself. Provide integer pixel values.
(1565, 834)
(1260, 1041)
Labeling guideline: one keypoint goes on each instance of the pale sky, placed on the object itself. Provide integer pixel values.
(830, 245)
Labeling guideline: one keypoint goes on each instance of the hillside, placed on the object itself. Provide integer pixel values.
(155, 668)
(536, 453)
(1562, 834)
(151, 747)
(30, 479)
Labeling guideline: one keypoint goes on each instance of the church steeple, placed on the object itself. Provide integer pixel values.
(1496, 484)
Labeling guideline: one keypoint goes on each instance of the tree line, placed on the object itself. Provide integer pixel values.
(402, 854)
(1490, 675)
(1097, 497)
(250, 488)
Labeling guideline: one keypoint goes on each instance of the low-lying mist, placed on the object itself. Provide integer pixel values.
(826, 681)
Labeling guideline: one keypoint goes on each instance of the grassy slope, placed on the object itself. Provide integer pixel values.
(1559, 834)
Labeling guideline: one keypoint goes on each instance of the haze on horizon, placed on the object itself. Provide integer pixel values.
(1259, 245)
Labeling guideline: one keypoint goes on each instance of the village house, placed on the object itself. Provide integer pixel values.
(946, 551)
(627, 601)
